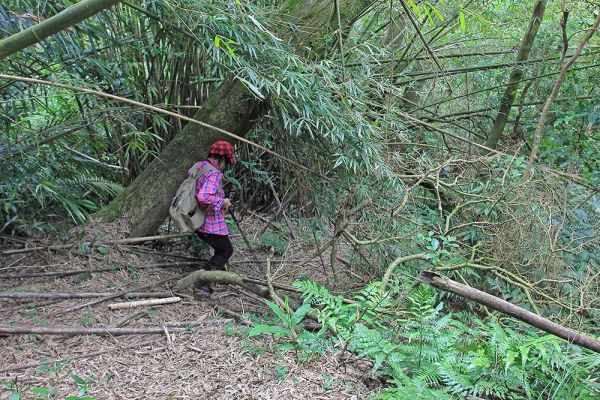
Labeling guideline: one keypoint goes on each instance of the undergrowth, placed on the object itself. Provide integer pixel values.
(422, 351)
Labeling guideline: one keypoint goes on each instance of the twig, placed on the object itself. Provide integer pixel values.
(123, 321)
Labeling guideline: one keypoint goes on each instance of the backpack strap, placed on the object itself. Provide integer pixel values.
(200, 172)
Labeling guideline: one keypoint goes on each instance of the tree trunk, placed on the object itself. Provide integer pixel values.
(516, 74)
(231, 107)
(64, 19)
(537, 136)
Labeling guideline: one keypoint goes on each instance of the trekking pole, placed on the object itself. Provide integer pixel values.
(235, 220)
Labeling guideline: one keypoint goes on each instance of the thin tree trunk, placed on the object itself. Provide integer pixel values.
(505, 307)
(64, 19)
(231, 107)
(537, 136)
(516, 74)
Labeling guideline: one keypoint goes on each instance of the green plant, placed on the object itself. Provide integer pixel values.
(428, 353)
(281, 372)
(288, 326)
(22, 392)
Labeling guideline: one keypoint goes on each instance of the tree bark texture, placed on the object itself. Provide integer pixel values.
(64, 19)
(231, 107)
(516, 74)
(505, 307)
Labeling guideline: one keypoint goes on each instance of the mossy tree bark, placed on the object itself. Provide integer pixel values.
(145, 202)
(516, 75)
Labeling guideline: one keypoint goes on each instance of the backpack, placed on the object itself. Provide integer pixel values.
(185, 210)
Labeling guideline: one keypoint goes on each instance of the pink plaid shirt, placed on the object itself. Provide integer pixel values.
(210, 195)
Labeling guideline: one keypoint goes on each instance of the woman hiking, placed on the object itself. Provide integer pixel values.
(211, 197)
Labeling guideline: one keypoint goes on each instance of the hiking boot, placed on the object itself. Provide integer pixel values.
(203, 288)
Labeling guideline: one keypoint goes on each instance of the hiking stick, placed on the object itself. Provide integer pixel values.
(235, 220)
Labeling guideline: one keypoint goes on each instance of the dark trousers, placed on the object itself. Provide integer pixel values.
(222, 247)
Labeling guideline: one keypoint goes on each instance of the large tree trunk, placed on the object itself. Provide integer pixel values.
(516, 75)
(146, 201)
(64, 19)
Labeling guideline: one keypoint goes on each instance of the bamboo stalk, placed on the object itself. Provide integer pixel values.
(22, 330)
(165, 112)
(141, 303)
(64, 19)
(99, 243)
(83, 271)
(76, 295)
(498, 304)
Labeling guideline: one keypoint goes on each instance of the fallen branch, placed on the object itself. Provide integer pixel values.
(495, 303)
(123, 321)
(141, 303)
(75, 331)
(83, 271)
(63, 295)
(98, 243)
(220, 277)
(21, 330)
(114, 296)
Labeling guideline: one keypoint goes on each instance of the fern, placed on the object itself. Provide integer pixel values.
(430, 354)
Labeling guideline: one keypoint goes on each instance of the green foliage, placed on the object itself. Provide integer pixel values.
(288, 326)
(428, 353)
(20, 391)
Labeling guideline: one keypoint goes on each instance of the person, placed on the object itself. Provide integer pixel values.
(211, 197)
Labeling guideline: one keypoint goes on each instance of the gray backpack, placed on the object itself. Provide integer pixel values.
(185, 210)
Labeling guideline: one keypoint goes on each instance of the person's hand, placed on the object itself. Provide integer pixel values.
(226, 204)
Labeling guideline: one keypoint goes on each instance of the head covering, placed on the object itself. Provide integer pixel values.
(223, 148)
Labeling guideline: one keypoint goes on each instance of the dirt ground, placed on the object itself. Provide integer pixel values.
(212, 357)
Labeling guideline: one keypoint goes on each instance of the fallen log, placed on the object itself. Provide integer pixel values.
(220, 277)
(98, 243)
(75, 331)
(498, 304)
(141, 303)
(77, 295)
(91, 271)
(21, 330)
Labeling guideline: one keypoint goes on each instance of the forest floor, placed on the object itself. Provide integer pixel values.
(213, 357)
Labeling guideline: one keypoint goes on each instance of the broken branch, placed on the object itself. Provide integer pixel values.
(498, 304)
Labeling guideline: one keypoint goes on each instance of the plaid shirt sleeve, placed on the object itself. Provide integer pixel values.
(208, 195)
